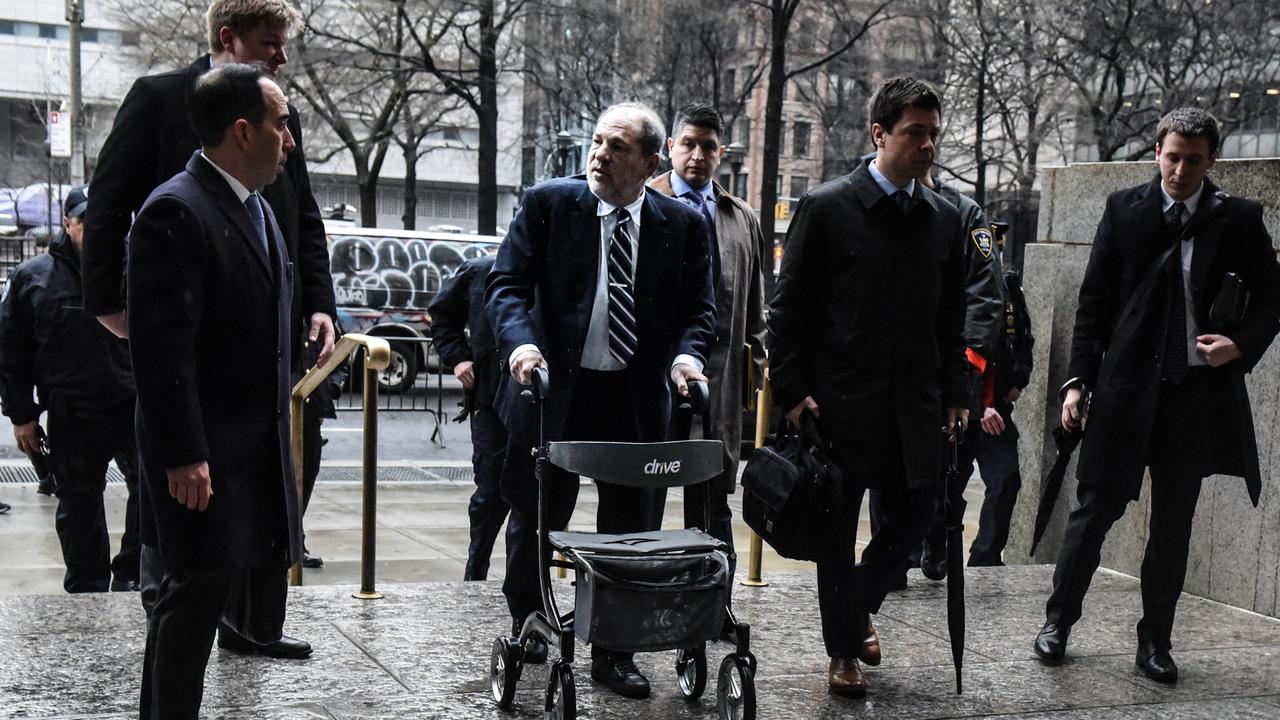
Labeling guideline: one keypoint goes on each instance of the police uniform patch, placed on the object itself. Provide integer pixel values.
(982, 240)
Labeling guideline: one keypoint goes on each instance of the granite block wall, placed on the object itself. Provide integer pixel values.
(1235, 549)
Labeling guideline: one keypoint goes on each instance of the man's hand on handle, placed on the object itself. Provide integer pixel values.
(793, 415)
(190, 485)
(957, 416)
(522, 365)
(683, 374)
(1073, 411)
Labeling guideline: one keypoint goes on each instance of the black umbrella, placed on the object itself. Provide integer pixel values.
(1066, 442)
(955, 562)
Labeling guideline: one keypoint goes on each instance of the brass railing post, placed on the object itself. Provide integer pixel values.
(369, 516)
(763, 403)
(377, 355)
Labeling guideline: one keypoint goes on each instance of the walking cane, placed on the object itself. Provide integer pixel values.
(763, 403)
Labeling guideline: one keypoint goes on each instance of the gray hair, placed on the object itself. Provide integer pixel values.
(652, 131)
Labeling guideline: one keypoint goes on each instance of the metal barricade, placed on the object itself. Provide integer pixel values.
(413, 381)
(377, 355)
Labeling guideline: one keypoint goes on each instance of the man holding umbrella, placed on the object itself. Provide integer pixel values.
(1171, 264)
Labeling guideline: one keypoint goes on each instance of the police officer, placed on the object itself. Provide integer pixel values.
(81, 375)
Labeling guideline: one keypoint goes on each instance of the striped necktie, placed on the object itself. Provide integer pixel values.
(622, 303)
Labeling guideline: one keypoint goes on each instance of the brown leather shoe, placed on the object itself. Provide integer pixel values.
(870, 653)
(845, 677)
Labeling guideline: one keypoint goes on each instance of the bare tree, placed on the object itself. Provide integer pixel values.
(425, 111)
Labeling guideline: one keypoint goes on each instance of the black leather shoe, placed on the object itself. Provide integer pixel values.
(622, 676)
(1051, 643)
(125, 586)
(310, 561)
(898, 583)
(4, 508)
(933, 560)
(286, 648)
(535, 648)
(47, 486)
(1156, 663)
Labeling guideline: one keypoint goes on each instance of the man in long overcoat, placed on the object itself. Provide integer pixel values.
(1165, 373)
(866, 333)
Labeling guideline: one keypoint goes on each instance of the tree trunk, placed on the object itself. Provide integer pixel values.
(487, 199)
(410, 215)
(773, 134)
(979, 115)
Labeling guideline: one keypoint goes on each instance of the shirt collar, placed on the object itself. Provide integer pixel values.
(633, 208)
(242, 192)
(1191, 203)
(885, 184)
(681, 188)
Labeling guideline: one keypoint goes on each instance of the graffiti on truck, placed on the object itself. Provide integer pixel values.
(389, 273)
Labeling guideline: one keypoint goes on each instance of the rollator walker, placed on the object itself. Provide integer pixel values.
(642, 592)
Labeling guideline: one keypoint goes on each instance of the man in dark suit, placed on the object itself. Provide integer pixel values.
(149, 142)
(1162, 255)
(866, 335)
(607, 285)
(209, 279)
(474, 361)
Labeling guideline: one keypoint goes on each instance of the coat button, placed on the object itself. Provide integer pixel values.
(279, 354)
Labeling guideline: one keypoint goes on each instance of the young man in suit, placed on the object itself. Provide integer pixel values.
(866, 335)
(208, 273)
(608, 286)
(1162, 254)
(151, 140)
(696, 151)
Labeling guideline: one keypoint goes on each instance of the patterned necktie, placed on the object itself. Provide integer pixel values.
(622, 303)
(1175, 345)
(254, 206)
(902, 198)
(706, 206)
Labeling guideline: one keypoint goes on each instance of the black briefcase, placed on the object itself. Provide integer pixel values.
(789, 491)
(1227, 311)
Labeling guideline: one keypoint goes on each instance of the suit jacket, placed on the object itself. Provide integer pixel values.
(1118, 343)
(739, 321)
(457, 307)
(543, 284)
(209, 329)
(151, 140)
(868, 318)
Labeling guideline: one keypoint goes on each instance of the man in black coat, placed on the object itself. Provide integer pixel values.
(459, 306)
(151, 140)
(616, 313)
(1163, 253)
(866, 334)
(81, 373)
(209, 280)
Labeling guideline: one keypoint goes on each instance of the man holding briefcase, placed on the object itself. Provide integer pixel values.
(1164, 358)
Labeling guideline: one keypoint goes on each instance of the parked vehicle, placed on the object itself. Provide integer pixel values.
(383, 281)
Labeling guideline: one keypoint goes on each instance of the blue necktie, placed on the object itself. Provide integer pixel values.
(706, 206)
(254, 206)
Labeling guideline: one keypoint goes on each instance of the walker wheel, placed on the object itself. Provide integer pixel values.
(504, 671)
(736, 689)
(561, 702)
(691, 671)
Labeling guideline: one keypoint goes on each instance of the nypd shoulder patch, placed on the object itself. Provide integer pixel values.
(982, 240)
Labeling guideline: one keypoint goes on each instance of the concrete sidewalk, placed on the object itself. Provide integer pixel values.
(422, 652)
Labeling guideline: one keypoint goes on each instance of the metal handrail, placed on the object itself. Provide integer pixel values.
(763, 402)
(377, 356)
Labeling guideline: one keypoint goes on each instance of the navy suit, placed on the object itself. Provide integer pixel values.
(540, 291)
(209, 330)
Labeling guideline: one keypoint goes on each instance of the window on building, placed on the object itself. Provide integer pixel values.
(6, 27)
(743, 134)
(800, 139)
(89, 35)
(799, 186)
(26, 29)
(730, 86)
(109, 37)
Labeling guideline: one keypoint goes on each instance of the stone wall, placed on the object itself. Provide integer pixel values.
(1235, 549)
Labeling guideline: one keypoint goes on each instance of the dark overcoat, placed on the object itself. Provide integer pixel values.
(868, 319)
(209, 335)
(1117, 346)
(150, 141)
(543, 284)
(460, 327)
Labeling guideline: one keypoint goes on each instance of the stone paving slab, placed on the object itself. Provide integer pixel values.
(422, 652)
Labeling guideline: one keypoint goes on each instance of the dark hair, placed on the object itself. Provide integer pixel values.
(894, 96)
(652, 134)
(223, 95)
(698, 115)
(1190, 122)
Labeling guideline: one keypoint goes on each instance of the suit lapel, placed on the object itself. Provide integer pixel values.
(585, 229)
(231, 209)
(652, 250)
(1206, 230)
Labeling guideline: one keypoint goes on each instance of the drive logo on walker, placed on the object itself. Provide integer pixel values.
(656, 467)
